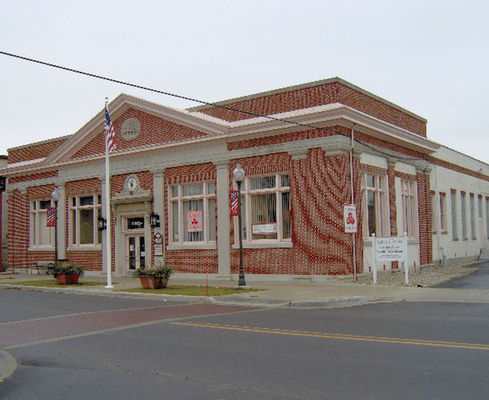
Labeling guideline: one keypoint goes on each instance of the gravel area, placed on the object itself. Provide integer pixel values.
(428, 276)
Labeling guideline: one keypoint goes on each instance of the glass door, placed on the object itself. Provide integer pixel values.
(136, 253)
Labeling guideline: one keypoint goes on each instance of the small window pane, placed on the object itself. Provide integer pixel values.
(174, 191)
(267, 182)
(370, 181)
(211, 188)
(86, 201)
(285, 180)
(44, 204)
(193, 190)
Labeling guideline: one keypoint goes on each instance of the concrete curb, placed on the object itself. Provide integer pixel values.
(343, 302)
(7, 365)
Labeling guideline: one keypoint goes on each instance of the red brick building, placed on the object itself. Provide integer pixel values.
(307, 151)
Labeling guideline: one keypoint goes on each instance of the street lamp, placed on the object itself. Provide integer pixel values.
(56, 195)
(239, 176)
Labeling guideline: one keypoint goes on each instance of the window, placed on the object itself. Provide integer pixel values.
(433, 212)
(409, 208)
(84, 211)
(472, 216)
(40, 234)
(453, 198)
(463, 215)
(193, 213)
(443, 212)
(487, 216)
(265, 209)
(375, 209)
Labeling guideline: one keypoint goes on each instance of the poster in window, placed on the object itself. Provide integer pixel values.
(264, 229)
(194, 221)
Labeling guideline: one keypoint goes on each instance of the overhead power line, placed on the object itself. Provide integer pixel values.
(251, 113)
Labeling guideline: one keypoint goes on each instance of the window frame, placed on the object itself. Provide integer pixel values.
(409, 201)
(247, 193)
(443, 212)
(74, 228)
(35, 224)
(380, 190)
(209, 217)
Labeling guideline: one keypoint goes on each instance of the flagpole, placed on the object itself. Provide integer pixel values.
(108, 249)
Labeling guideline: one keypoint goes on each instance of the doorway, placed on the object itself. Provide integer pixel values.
(134, 245)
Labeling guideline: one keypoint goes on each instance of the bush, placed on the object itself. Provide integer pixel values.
(67, 268)
(161, 272)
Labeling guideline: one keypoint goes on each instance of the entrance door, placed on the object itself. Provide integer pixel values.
(135, 253)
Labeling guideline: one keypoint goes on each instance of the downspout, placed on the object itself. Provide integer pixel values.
(353, 200)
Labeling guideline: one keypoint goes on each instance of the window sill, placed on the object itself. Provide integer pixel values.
(191, 247)
(41, 248)
(285, 245)
(84, 248)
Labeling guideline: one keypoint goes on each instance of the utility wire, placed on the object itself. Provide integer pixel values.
(251, 113)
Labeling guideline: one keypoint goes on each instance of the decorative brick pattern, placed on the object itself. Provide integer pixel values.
(154, 130)
(334, 92)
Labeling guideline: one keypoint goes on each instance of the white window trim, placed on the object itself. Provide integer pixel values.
(409, 208)
(34, 213)
(96, 207)
(248, 242)
(206, 196)
(382, 205)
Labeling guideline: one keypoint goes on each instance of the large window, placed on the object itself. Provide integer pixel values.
(266, 209)
(84, 211)
(409, 209)
(40, 234)
(375, 208)
(193, 213)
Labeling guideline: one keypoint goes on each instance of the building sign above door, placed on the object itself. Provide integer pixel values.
(135, 223)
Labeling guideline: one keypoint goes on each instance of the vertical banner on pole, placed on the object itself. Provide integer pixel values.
(350, 218)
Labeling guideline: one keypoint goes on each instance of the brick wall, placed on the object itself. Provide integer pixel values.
(334, 92)
(154, 130)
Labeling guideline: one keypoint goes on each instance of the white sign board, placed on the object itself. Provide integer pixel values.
(390, 249)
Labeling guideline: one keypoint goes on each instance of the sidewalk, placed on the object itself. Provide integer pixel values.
(296, 293)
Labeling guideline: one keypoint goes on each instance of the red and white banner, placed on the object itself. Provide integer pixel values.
(350, 218)
(51, 217)
(233, 196)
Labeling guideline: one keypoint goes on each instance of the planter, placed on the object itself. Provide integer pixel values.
(63, 279)
(149, 282)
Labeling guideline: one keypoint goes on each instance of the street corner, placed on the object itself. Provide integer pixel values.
(7, 365)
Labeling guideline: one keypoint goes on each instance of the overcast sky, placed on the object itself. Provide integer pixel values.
(428, 56)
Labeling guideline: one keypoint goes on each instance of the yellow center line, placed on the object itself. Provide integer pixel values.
(324, 335)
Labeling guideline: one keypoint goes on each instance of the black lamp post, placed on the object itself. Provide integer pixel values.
(239, 176)
(56, 195)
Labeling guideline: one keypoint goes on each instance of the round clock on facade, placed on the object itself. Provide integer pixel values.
(131, 183)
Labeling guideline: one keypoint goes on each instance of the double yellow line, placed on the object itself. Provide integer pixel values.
(323, 335)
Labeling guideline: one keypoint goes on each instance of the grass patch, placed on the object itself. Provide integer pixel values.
(52, 283)
(191, 290)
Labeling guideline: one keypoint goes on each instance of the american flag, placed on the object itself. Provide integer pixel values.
(234, 203)
(109, 131)
(51, 216)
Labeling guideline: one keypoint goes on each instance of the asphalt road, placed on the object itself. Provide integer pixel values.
(89, 347)
(477, 280)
